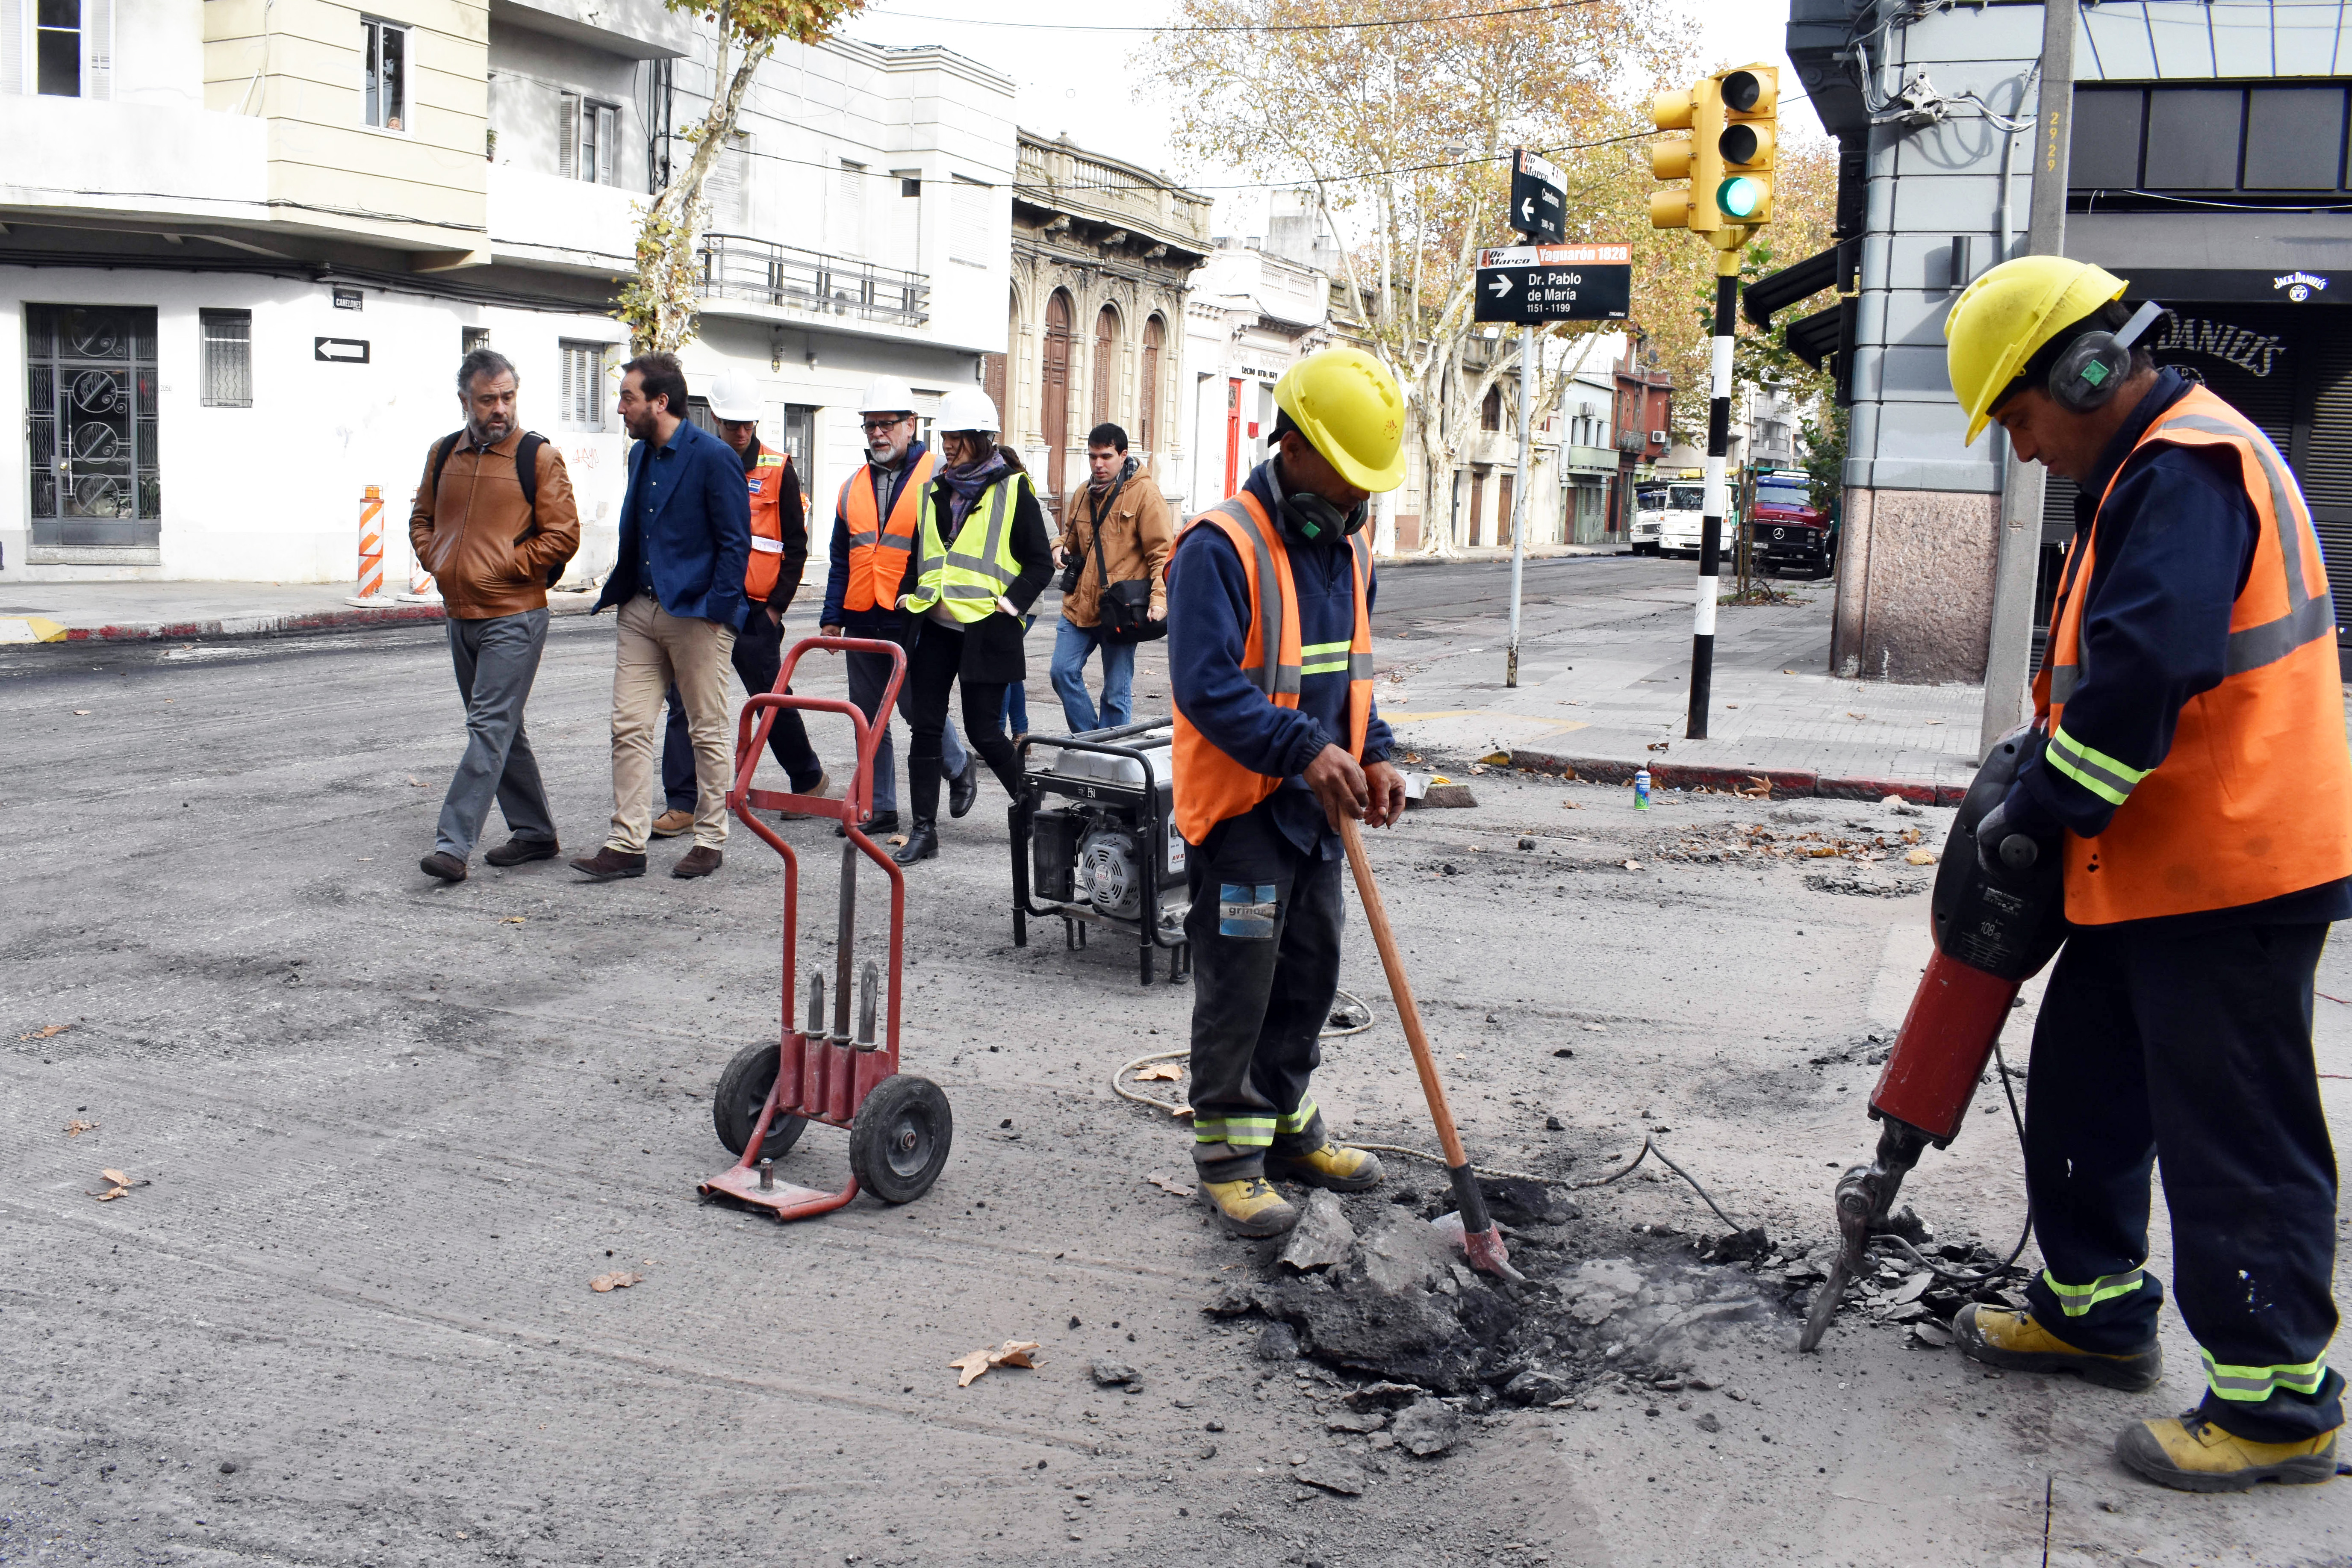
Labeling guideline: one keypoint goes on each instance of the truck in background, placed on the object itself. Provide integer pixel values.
(1786, 534)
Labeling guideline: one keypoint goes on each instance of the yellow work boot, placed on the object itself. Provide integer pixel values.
(1332, 1165)
(1248, 1207)
(1997, 1336)
(2192, 1455)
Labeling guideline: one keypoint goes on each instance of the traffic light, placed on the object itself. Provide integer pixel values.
(1695, 157)
(1750, 98)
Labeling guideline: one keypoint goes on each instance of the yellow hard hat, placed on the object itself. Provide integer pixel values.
(2003, 318)
(1350, 409)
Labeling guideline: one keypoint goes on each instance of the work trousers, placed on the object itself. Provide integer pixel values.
(869, 675)
(758, 657)
(1072, 644)
(2191, 1049)
(497, 660)
(1265, 926)
(934, 666)
(653, 651)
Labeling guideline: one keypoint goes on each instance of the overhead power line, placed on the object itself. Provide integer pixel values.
(1232, 26)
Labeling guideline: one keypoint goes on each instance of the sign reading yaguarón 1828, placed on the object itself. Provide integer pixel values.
(1555, 283)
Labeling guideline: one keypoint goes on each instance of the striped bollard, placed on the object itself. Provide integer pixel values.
(371, 544)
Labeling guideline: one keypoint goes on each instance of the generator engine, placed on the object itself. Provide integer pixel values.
(1099, 815)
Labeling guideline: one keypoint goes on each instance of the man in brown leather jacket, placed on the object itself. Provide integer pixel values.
(493, 552)
(1118, 530)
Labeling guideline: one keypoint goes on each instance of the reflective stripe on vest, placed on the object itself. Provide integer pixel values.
(978, 568)
(766, 483)
(2253, 800)
(879, 551)
(1210, 785)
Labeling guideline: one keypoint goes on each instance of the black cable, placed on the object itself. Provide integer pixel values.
(1233, 26)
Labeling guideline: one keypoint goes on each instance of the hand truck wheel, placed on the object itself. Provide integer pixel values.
(899, 1141)
(742, 1093)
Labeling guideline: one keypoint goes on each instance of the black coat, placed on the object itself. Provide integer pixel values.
(992, 647)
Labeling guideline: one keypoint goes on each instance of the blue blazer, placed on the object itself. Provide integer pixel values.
(699, 539)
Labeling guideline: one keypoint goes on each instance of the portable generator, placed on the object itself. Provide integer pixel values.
(1095, 840)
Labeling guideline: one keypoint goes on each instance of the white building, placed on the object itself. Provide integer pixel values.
(242, 247)
(1252, 313)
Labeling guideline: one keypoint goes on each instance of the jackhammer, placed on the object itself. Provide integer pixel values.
(1992, 933)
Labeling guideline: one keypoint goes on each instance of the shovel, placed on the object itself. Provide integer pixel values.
(1480, 1239)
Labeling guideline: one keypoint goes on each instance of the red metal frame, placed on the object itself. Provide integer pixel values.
(817, 1077)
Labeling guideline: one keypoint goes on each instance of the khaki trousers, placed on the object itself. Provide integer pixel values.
(656, 648)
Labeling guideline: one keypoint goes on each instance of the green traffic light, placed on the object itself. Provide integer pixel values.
(1739, 197)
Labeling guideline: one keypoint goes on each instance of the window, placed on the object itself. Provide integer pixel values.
(1155, 338)
(581, 386)
(384, 97)
(967, 221)
(588, 141)
(800, 443)
(72, 47)
(228, 337)
(1490, 412)
(849, 209)
(727, 192)
(472, 338)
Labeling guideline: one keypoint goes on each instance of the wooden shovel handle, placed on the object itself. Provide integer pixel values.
(1408, 1011)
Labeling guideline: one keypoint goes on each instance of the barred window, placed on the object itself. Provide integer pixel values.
(228, 338)
(582, 386)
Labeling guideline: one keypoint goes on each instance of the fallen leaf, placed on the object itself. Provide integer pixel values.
(897, 838)
(1632, 865)
(416, 783)
(1819, 851)
(512, 921)
(619, 1280)
(1850, 714)
(1756, 788)
(1569, 805)
(970, 1366)
(1017, 1352)
(1497, 759)
(49, 1033)
(76, 1127)
(1012, 1353)
(1165, 1185)
(1660, 745)
(120, 1187)
(1159, 1072)
(1788, 672)
(1183, 1113)
(1921, 857)
(1934, 721)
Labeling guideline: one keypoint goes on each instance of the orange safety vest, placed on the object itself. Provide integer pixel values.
(877, 550)
(2254, 799)
(1210, 785)
(767, 481)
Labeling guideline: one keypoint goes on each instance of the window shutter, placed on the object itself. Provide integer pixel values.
(606, 125)
(969, 222)
(12, 46)
(849, 209)
(98, 49)
(729, 212)
(567, 399)
(567, 139)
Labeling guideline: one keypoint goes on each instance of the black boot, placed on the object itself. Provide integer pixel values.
(964, 788)
(875, 825)
(922, 843)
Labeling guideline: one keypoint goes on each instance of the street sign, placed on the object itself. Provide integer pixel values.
(1555, 283)
(340, 350)
(1539, 197)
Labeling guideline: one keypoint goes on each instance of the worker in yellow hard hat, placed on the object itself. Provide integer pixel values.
(1270, 654)
(2195, 782)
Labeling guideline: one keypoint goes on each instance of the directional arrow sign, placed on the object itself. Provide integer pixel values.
(340, 350)
(1555, 283)
(1539, 197)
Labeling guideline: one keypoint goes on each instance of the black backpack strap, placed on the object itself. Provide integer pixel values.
(527, 469)
(441, 450)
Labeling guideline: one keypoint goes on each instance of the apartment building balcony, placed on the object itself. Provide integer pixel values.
(772, 278)
(1121, 202)
(131, 162)
(1589, 459)
(569, 225)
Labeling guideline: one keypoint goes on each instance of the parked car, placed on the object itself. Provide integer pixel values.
(1786, 532)
(1668, 517)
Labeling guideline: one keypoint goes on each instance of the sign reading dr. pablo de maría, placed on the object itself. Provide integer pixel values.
(1555, 283)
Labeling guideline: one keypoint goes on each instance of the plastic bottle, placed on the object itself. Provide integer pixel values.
(1641, 789)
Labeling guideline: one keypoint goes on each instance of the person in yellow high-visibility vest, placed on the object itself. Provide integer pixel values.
(981, 558)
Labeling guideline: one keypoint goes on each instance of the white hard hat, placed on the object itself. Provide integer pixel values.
(887, 394)
(735, 397)
(966, 408)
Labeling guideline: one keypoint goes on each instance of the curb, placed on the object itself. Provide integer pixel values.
(1784, 781)
(1499, 557)
(235, 626)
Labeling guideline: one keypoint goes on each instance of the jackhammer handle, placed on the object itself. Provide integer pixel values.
(1408, 1012)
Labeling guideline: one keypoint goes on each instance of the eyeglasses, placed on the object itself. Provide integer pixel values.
(876, 426)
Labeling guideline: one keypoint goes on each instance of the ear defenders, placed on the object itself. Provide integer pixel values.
(1309, 517)
(2086, 373)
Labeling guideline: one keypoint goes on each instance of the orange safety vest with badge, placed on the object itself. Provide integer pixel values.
(2254, 799)
(879, 551)
(766, 481)
(1211, 786)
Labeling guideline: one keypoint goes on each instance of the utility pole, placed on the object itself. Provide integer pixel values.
(1539, 206)
(1710, 532)
(1519, 495)
(2018, 550)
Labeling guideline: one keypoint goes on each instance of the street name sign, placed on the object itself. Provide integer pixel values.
(1539, 197)
(1531, 283)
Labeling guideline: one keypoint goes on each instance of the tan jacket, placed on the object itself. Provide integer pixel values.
(475, 534)
(1137, 536)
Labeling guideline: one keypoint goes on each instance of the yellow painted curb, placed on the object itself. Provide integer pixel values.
(30, 629)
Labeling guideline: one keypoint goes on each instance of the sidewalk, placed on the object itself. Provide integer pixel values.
(1604, 689)
(141, 611)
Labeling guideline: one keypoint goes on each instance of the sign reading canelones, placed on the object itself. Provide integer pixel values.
(1555, 283)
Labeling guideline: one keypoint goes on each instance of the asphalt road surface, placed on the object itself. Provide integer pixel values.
(386, 1133)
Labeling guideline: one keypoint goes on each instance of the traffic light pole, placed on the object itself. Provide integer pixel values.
(1710, 538)
(1519, 498)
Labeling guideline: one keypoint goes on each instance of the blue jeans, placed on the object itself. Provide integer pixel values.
(1072, 644)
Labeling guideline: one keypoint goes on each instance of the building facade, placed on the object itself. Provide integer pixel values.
(2206, 168)
(1094, 317)
(1253, 311)
(216, 343)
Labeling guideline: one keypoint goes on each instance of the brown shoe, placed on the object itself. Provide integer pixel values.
(700, 861)
(517, 851)
(444, 865)
(821, 790)
(608, 863)
(670, 824)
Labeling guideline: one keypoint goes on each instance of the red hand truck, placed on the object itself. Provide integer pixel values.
(899, 1125)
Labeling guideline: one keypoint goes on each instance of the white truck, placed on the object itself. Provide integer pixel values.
(1667, 516)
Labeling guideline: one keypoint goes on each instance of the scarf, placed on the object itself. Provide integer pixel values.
(965, 485)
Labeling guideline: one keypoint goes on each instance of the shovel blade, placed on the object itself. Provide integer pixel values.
(1484, 1249)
